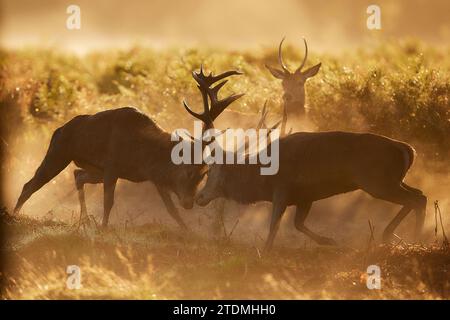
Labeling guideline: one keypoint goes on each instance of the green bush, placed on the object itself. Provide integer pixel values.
(399, 89)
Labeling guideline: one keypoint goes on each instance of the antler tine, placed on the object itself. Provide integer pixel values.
(276, 125)
(207, 80)
(280, 57)
(304, 58)
(217, 106)
(262, 121)
(226, 74)
(205, 117)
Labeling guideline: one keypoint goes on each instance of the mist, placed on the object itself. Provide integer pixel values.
(329, 25)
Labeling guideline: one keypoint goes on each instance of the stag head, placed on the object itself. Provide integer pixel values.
(294, 83)
(212, 108)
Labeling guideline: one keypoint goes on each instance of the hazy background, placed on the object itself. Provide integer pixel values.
(327, 24)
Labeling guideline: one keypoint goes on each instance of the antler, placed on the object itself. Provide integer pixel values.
(262, 121)
(283, 65)
(280, 57)
(211, 112)
(262, 125)
(284, 123)
(304, 58)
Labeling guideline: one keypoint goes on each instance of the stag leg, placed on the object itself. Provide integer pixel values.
(389, 230)
(170, 206)
(279, 206)
(81, 178)
(109, 186)
(51, 166)
(410, 198)
(303, 209)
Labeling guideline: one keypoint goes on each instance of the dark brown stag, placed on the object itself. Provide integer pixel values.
(123, 144)
(294, 85)
(116, 144)
(314, 166)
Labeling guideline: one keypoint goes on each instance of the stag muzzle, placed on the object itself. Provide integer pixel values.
(187, 202)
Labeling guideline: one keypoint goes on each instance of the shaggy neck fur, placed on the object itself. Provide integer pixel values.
(245, 184)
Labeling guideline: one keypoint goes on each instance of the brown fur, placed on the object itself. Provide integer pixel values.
(116, 144)
(315, 166)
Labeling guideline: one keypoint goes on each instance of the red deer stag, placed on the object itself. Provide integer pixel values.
(315, 166)
(204, 84)
(294, 84)
(118, 144)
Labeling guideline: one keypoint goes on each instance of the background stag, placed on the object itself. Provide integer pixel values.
(294, 86)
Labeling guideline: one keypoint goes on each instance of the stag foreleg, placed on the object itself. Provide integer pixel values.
(279, 207)
(81, 178)
(303, 209)
(170, 206)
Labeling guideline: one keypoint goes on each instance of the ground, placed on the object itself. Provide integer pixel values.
(155, 261)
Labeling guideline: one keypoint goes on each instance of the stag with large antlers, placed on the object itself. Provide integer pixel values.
(204, 83)
(315, 166)
(116, 144)
(294, 84)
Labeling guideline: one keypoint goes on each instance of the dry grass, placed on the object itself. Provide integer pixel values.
(156, 262)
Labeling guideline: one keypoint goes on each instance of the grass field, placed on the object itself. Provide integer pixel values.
(400, 89)
(153, 261)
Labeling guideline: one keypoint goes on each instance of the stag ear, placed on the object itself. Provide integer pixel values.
(277, 73)
(311, 72)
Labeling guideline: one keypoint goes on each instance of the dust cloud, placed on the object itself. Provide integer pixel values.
(329, 25)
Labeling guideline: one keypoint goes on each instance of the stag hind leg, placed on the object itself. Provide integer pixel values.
(54, 162)
(81, 178)
(411, 199)
(109, 187)
(303, 209)
(279, 207)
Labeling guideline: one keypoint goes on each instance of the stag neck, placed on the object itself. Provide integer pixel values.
(159, 167)
(245, 184)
